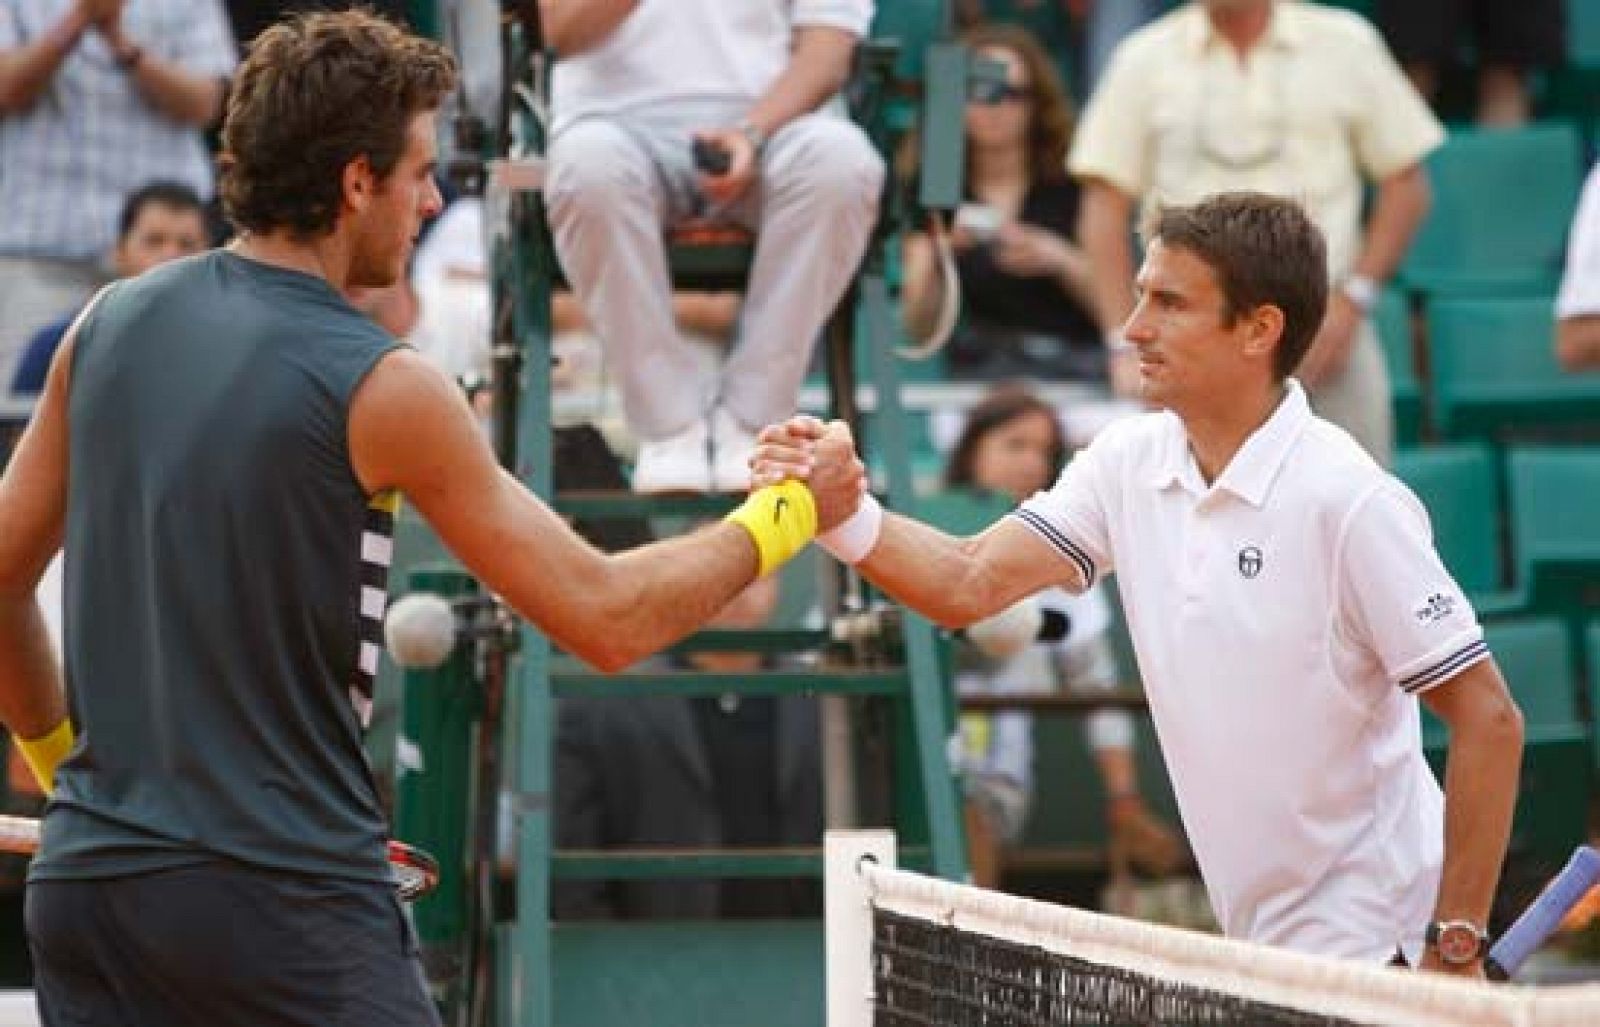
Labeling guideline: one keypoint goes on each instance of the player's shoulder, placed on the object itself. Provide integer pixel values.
(1155, 40)
(1328, 26)
(1332, 473)
(1144, 439)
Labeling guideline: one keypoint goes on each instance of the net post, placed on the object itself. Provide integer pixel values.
(847, 903)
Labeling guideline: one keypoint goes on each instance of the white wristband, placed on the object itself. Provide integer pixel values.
(851, 540)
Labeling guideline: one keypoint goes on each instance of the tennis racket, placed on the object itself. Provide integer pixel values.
(416, 873)
(1540, 920)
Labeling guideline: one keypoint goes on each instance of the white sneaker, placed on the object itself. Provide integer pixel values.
(677, 463)
(731, 449)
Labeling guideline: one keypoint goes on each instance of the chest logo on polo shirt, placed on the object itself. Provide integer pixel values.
(1250, 561)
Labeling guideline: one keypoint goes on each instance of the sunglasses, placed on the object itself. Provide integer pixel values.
(992, 94)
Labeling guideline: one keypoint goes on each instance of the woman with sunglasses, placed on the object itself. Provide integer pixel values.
(1025, 283)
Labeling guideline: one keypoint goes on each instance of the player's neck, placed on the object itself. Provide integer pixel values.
(1216, 436)
(324, 257)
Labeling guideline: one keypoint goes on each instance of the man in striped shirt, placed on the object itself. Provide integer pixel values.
(97, 98)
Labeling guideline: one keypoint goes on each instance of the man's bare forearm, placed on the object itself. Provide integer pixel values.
(31, 701)
(179, 94)
(1578, 342)
(572, 26)
(1400, 204)
(818, 68)
(26, 70)
(956, 581)
(1103, 226)
(1480, 794)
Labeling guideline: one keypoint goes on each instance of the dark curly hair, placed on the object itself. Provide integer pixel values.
(316, 92)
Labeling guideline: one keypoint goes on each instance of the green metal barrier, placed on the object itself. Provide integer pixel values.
(529, 979)
(433, 775)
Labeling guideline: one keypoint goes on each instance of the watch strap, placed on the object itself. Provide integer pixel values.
(756, 137)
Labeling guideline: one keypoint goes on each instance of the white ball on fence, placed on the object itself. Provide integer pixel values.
(420, 630)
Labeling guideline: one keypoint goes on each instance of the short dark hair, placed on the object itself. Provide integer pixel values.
(1000, 407)
(316, 92)
(1265, 251)
(160, 193)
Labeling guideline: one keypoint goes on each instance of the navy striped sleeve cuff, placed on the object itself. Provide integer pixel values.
(1058, 539)
(1443, 670)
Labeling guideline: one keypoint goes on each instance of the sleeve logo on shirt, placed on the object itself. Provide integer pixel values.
(1435, 608)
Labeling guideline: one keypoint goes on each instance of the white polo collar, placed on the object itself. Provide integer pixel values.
(1253, 469)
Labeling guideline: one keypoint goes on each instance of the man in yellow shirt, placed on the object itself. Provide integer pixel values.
(1277, 96)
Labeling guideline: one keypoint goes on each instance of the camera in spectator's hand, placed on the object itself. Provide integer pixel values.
(711, 158)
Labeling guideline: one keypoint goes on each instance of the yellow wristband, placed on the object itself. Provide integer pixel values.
(781, 519)
(45, 753)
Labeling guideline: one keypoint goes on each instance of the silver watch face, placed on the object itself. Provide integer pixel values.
(1458, 942)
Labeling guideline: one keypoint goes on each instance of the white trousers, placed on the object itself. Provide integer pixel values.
(615, 183)
(34, 293)
(1358, 400)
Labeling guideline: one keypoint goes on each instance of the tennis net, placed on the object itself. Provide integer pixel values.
(905, 950)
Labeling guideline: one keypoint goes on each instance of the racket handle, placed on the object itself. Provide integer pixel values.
(1543, 915)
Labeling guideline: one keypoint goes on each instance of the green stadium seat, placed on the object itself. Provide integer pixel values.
(913, 24)
(963, 511)
(1557, 777)
(1392, 318)
(1495, 372)
(1458, 486)
(1502, 202)
(1554, 494)
(1574, 90)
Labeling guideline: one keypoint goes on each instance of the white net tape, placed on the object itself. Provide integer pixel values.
(1291, 979)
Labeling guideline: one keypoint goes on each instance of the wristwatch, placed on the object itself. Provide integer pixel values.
(1459, 942)
(756, 137)
(1362, 291)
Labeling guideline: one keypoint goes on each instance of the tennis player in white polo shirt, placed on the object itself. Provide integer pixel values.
(1286, 604)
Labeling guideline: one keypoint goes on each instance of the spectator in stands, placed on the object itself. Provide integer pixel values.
(442, 309)
(97, 98)
(1505, 40)
(635, 85)
(160, 222)
(1100, 26)
(1277, 96)
(1025, 283)
(1013, 445)
(1578, 304)
(670, 771)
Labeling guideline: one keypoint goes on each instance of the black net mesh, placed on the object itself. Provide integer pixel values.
(927, 973)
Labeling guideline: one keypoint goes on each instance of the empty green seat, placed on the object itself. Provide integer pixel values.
(1495, 372)
(1554, 494)
(1457, 485)
(1573, 91)
(1392, 318)
(1556, 782)
(913, 25)
(1502, 201)
(963, 512)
